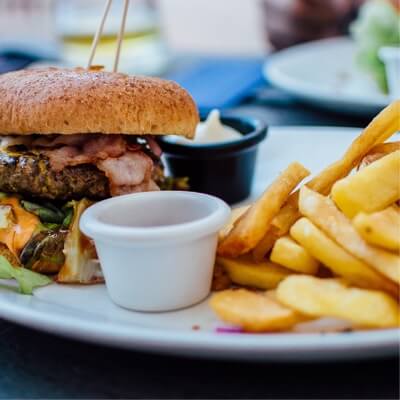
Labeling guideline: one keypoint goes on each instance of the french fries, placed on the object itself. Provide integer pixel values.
(289, 254)
(379, 151)
(235, 215)
(266, 244)
(338, 260)
(373, 188)
(251, 227)
(221, 280)
(333, 298)
(254, 312)
(381, 228)
(244, 271)
(324, 214)
(326, 252)
(384, 125)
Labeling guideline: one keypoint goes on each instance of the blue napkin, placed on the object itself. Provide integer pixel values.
(220, 82)
(15, 56)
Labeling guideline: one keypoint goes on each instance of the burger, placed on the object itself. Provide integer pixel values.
(68, 138)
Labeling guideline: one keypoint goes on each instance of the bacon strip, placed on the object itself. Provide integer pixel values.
(127, 171)
(127, 167)
(52, 141)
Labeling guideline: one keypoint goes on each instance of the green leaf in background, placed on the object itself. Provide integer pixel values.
(26, 279)
(377, 25)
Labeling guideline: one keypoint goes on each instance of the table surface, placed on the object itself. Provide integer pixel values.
(38, 365)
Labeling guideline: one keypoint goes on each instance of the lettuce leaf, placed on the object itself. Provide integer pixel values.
(377, 25)
(26, 278)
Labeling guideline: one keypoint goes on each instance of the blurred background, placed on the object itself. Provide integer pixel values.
(218, 49)
(156, 30)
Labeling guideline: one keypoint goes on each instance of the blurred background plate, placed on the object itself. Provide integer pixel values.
(324, 73)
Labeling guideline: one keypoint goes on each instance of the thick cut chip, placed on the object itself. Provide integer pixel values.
(254, 312)
(384, 125)
(324, 214)
(373, 188)
(381, 228)
(288, 253)
(221, 280)
(244, 271)
(251, 227)
(334, 298)
(338, 260)
(265, 245)
(379, 151)
(280, 225)
(236, 213)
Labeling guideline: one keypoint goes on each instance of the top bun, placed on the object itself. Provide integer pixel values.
(68, 101)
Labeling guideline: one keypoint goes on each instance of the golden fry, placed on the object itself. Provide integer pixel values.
(381, 128)
(323, 213)
(221, 280)
(381, 228)
(373, 188)
(235, 215)
(254, 312)
(338, 260)
(244, 271)
(385, 148)
(289, 254)
(384, 125)
(326, 236)
(379, 151)
(333, 298)
(286, 217)
(265, 245)
(251, 227)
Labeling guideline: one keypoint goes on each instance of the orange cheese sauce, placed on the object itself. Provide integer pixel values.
(18, 234)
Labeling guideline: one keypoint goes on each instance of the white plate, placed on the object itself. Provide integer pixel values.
(324, 73)
(86, 313)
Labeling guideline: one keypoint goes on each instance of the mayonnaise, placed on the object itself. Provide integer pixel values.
(210, 131)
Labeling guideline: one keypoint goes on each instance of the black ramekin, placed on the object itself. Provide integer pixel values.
(223, 169)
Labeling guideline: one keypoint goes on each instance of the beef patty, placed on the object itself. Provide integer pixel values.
(30, 174)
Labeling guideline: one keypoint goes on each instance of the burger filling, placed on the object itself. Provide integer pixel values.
(45, 166)
(46, 182)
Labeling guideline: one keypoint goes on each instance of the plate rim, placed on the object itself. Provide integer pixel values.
(177, 341)
(276, 77)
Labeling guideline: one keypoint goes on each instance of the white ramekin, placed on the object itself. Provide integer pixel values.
(391, 58)
(156, 249)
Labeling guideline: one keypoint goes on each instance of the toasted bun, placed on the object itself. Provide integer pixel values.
(67, 101)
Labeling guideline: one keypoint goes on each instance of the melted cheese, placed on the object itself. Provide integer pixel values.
(18, 233)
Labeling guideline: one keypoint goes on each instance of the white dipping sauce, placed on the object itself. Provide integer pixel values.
(210, 131)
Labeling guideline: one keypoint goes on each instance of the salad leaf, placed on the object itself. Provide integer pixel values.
(69, 213)
(44, 252)
(26, 279)
(47, 213)
(172, 183)
(377, 25)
